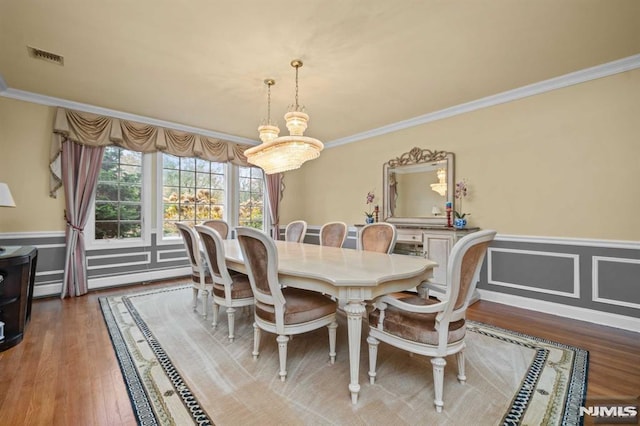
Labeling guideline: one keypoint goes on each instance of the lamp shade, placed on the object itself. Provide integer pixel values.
(6, 200)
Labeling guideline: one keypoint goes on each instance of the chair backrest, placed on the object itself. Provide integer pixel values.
(333, 234)
(379, 237)
(191, 243)
(295, 231)
(219, 225)
(463, 270)
(261, 260)
(214, 254)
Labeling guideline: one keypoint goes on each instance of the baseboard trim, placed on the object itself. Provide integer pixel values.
(573, 312)
(55, 289)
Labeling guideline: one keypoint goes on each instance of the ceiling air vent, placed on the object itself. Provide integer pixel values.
(45, 56)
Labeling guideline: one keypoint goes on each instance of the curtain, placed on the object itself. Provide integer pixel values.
(77, 146)
(275, 188)
(95, 130)
(80, 170)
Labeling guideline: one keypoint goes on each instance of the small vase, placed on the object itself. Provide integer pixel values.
(369, 219)
(460, 223)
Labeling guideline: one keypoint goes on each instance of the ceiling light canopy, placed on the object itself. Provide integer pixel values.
(280, 154)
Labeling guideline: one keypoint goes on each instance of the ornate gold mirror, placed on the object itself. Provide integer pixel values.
(416, 187)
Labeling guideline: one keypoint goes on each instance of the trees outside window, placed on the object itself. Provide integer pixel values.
(251, 197)
(193, 190)
(118, 203)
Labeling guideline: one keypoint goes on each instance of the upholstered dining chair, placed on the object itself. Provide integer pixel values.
(200, 276)
(295, 231)
(282, 311)
(333, 234)
(379, 237)
(231, 290)
(219, 225)
(431, 327)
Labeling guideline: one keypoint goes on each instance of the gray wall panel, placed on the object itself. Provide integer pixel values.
(539, 271)
(618, 280)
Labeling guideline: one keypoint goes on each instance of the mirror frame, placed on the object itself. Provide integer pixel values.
(411, 158)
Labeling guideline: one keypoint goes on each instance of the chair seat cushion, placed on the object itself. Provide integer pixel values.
(415, 327)
(241, 288)
(301, 306)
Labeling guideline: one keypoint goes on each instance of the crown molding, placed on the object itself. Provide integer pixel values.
(582, 76)
(22, 95)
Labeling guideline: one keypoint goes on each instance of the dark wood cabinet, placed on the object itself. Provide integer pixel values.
(17, 276)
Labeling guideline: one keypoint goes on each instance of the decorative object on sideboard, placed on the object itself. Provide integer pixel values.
(369, 215)
(280, 154)
(376, 212)
(449, 208)
(6, 199)
(460, 193)
(441, 186)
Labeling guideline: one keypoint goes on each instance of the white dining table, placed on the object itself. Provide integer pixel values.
(352, 276)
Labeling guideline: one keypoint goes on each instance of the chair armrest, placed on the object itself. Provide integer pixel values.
(381, 303)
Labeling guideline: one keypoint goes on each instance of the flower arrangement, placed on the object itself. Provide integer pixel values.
(370, 197)
(460, 193)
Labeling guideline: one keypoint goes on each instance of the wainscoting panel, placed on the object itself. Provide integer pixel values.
(616, 281)
(595, 275)
(542, 272)
(105, 267)
(592, 280)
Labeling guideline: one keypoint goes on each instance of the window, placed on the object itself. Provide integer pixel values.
(250, 197)
(193, 190)
(119, 196)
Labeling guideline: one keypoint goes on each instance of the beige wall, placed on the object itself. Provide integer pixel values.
(564, 163)
(25, 132)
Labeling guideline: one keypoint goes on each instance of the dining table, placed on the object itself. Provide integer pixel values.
(353, 277)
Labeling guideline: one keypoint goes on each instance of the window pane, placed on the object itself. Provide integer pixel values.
(169, 229)
(187, 179)
(188, 164)
(131, 212)
(106, 230)
(250, 197)
(130, 230)
(107, 192)
(119, 195)
(203, 180)
(130, 174)
(130, 192)
(106, 211)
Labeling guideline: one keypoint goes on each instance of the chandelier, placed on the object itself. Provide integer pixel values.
(280, 154)
(441, 186)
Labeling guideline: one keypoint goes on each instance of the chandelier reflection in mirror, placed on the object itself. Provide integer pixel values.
(280, 154)
(441, 186)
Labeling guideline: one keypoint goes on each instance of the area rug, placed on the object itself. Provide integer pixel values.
(180, 371)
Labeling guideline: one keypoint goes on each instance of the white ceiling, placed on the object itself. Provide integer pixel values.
(367, 63)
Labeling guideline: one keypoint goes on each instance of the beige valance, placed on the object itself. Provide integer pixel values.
(96, 130)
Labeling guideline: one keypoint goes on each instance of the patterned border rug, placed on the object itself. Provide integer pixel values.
(179, 371)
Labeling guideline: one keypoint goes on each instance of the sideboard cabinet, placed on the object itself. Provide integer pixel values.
(434, 243)
(17, 276)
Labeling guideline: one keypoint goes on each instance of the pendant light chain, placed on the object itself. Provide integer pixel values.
(269, 102)
(297, 66)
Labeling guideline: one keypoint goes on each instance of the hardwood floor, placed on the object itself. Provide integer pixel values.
(65, 371)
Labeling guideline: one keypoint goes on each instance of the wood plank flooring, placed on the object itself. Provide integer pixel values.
(65, 371)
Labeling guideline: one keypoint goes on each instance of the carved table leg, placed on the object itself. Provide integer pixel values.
(354, 310)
